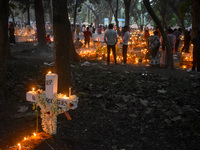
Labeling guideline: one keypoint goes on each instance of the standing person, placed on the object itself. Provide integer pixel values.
(77, 31)
(90, 28)
(83, 28)
(154, 44)
(48, 39)
(87, 35)
(177, 33)
(125, 43)
(146, 35)
(196, 52)
(99, 30)
(12, 33)
(111, 40)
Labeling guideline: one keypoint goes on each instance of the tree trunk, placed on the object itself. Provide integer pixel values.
(39, 16)
(127, 9)
(164, 36)
(182, 25)
(95, 14)
(13, 17)
(181, 19)
(110, 17)
(3, 44)
(28, 15)
(75, 12)
(115, 13)
(116, 16)
(63, 45)
(196, 17)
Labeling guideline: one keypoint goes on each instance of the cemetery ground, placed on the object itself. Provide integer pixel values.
(132, 107)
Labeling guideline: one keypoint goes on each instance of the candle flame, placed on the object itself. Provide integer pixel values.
(33, 89)
(184, 66)
(65, 97)
(49, 72)
(34, 134)
(24, 138)
(19, 144)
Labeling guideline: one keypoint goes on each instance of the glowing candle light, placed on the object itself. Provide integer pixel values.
(65, 97)
(24, 138)
(33, 89)
(34, 134)
(49, 72)
(19, 145)
(70, 90)
(184, 66)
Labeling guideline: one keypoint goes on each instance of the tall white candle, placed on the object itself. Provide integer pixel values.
(51, 85)
(70, 90)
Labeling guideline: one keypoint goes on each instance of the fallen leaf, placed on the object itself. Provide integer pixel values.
(161, 91)
(22, 109)
(176, 118)
(143, 102)
(99, 95)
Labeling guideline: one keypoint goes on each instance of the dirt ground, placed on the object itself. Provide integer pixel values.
(121, 107)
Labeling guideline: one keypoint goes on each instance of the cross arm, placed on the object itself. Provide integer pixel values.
(31, 96)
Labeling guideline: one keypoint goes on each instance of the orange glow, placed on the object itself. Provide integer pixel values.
(184, 66)
(34, 134)
(49, 72)
(19, 146)
(65, 97)
(33, 89)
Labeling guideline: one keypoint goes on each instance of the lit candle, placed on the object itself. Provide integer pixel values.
(19, 145)
(34, 134)
(49, 72)
(33, 89)
(70, 91)
(24, 138)
(65, 97)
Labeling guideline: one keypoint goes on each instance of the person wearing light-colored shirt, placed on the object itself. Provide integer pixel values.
(111, 40)
(125, 43)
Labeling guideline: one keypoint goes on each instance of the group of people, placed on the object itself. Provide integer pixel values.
(111, 40)
(154, 43)
(174, 39)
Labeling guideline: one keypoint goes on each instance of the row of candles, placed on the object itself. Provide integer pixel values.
(29, 142)
(132, 56)
(23, 144)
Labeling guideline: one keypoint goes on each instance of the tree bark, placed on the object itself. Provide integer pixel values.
(127, 10)
(28, 14)
(110, 17)
(3, 44)
(196, 17)
(75, 12)
(116, 16)
(164, 36)
(39, 15)
(63, 45)
(182, 25)
(115, 13)
(181, 19)
(95, 14)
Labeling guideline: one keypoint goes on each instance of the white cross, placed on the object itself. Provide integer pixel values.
(51, 103)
